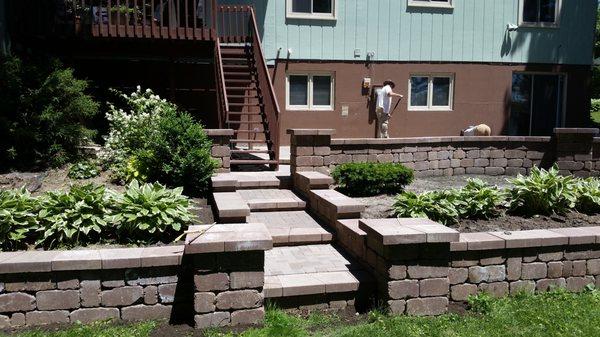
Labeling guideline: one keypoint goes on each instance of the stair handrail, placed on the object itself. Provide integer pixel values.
(272, 114)
(221, 87)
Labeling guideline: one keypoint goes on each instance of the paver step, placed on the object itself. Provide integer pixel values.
(231, 207)
(253, 162)
(232, 181)
(311, 270)
(292, 227)
(272, 200)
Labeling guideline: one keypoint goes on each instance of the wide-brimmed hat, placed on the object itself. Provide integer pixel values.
(390, 83)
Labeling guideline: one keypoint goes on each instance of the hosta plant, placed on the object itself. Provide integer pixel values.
(479, 200)
(438, 206)
(588, 196)
(543, 192)
(84, 170)
(150, 212)
(17, 217)
(74, 218)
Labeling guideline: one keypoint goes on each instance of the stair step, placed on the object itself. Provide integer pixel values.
(246, 104)
(238, 67)
(242, 88)
(291, 227)
(272, 200)
(244, 180)
(251, 151)
(240, 80)
(253, 162)
(250, 141)
(242, 96)
(311, 270)
(238, 74)
(244, 122)
(231, 207)
(250, 131)
(238, 113)
(235, 59)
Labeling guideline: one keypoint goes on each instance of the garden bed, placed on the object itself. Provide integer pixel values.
(381, 206)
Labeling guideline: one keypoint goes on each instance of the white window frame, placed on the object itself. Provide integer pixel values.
(430, 106)
(310, 106)
(312, 16)
(429, 3)
(555, 24)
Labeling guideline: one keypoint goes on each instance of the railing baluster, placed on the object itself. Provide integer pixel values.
(162, 8)
(109, 15)
(187, 12)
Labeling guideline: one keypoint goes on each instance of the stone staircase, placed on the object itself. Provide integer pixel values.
(306, 269)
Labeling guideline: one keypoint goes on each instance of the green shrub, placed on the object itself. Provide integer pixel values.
(156, 142)
(149, 212)
(437, 205)
(368, 179)
(588, 196)
(481, 303)
(76, 217)
(595, 106)
(84, 170)
(543, 193)
(43, 114)
(18, 218)
(479, 200)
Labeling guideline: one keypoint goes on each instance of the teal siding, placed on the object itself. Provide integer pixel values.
(474, 31)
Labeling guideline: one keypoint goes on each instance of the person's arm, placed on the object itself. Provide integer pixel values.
(393, 94)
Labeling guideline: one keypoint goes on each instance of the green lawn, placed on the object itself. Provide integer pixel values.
(547, 315)
(596, 117)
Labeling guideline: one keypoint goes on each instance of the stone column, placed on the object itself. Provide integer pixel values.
(410, 259)
(308, 147)
(574, 153)
(220, 149)
(228, 263)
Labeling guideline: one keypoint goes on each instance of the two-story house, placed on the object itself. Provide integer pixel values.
(262, 66)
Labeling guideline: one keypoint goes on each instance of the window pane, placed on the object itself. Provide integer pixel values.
(520, 110)
(322, 6)
(547, 10)
(322, 90)
(298, 90)
(530, 10)
(441, 91)
(301, 6)
(418, 91)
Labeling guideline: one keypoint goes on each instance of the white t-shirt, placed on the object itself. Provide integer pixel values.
(384, 100)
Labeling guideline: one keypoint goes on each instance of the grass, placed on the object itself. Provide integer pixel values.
(553, 314)
(94, 330)
(596, 117)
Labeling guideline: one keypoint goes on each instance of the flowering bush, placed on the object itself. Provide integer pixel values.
(153, 141)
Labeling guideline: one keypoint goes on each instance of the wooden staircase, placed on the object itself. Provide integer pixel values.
(248, 101)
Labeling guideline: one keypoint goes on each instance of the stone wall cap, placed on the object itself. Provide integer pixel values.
(219, 238)
(404, 231)
(482, 241)
(311, 132)
(27, 262)
(219, 132)
(592, 131)
(532, 238)
(436, 140)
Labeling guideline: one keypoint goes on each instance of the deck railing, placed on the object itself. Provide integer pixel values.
(222, 101)
(164, 19)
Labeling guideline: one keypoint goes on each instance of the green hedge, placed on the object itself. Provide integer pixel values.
(368, 179)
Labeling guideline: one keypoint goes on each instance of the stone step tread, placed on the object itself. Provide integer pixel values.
(313, 284)
(292, 227)
(272, 199)
(307, 259)
(230, 205)
(242, 180)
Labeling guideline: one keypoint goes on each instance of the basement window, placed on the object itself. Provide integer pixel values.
(430, 3)
(430, 92)
(539, 13)
(309, 92)
(311, 9)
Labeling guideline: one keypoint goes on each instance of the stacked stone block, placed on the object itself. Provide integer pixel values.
(220, 149)
(34, 292)
(571, 149)
(575, 151)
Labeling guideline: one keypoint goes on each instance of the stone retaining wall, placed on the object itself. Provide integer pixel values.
(216, 279)
(571, 149)
(423, 268)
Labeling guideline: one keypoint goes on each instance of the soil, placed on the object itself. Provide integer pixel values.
(381, 207)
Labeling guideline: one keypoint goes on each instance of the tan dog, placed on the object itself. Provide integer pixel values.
(479, 130)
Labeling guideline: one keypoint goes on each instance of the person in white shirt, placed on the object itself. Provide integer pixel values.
(384, 105)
